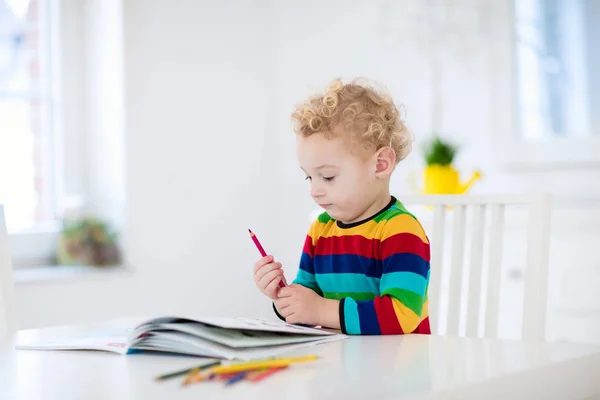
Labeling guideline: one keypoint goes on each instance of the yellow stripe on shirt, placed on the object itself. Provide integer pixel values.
(403, 223)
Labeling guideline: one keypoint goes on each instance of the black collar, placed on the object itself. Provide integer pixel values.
(353, 224)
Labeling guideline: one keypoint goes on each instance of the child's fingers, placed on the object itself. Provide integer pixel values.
(282, 303)
(265, 269)
(272, 287)
(268, 277)
(287, 291)
(262, 262)
(286, 312)
(291, 318)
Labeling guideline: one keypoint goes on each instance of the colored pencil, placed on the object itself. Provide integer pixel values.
(262, 252)
(260, 375)
(236, 378)
(225, 377)
(254, 365)
(187, 371)
(253, 373)
(195, 377)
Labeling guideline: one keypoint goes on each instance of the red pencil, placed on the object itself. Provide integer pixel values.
(263, 374)
(262, 252)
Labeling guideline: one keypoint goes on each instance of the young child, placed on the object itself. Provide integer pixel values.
(365, 264)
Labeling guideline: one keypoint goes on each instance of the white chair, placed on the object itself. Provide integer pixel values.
(479, 300)
(7, 319)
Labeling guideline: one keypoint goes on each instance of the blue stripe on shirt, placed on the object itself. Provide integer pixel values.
(355, 264)
(369, 324)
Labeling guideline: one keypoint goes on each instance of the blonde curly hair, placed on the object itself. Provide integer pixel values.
(368, 114)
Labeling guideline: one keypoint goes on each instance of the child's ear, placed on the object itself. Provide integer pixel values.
(385, 162)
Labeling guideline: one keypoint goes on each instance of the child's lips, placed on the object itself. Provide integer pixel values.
(325, 205)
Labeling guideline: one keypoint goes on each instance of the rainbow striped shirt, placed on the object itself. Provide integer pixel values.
(378, 268)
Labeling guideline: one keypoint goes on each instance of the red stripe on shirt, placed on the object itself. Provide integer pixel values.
(424, 328)
(351, 244)
(388, 321)
(361, 246)
(308, 246)
(405, 243)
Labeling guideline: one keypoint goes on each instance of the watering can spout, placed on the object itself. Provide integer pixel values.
(464, 187)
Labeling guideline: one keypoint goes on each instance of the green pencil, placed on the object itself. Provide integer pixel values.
(187, 370)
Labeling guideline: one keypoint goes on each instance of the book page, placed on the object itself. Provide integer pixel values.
(187, 344)
(238, 337)
(253, 324)
(114, 339)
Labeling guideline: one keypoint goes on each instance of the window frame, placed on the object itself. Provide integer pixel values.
(36, 245)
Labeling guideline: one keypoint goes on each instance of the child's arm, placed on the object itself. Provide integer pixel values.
(402, 305)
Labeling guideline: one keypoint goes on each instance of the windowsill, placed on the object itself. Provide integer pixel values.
(67, 272)
(520, 155)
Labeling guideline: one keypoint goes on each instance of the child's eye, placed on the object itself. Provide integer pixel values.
(308, 178)
(328, 178)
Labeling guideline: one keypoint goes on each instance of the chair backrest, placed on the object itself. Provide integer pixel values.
(7, 319)
(475, 307)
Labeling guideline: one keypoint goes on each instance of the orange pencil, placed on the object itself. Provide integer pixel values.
(262, 251)
(194, 376)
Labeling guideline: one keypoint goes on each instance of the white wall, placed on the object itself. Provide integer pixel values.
(199, 170)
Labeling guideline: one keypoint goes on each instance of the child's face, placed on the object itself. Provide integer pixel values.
(341, 181)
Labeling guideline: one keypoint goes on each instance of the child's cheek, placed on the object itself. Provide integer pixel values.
(350, 193)
(346, 202)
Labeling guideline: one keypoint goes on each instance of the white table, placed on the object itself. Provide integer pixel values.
(391, 367)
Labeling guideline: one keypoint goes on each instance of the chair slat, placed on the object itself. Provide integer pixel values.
(536, 274)
(436, 265)
(475, 270)
(456, 267)
(494, 271)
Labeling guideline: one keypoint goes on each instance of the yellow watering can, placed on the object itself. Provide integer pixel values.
(443, 179)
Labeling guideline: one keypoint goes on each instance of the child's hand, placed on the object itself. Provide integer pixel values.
(267, 275)
(299, 305)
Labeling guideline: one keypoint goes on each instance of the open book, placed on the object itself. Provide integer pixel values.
(222, 338)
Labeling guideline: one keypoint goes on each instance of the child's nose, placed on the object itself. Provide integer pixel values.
(316, 191)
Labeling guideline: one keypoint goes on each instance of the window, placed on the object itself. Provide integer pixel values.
(554, 53)
(26, 104)
(546, 85)
(61, 119)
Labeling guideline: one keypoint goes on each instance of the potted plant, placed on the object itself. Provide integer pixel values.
(88, 241)
(440, 176)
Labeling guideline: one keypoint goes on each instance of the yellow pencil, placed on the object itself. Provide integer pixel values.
(191, 375)
(248, 366)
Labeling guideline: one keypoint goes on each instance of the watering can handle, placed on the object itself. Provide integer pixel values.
(412, 182)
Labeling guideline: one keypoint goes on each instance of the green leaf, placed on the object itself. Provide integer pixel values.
(439, 152)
